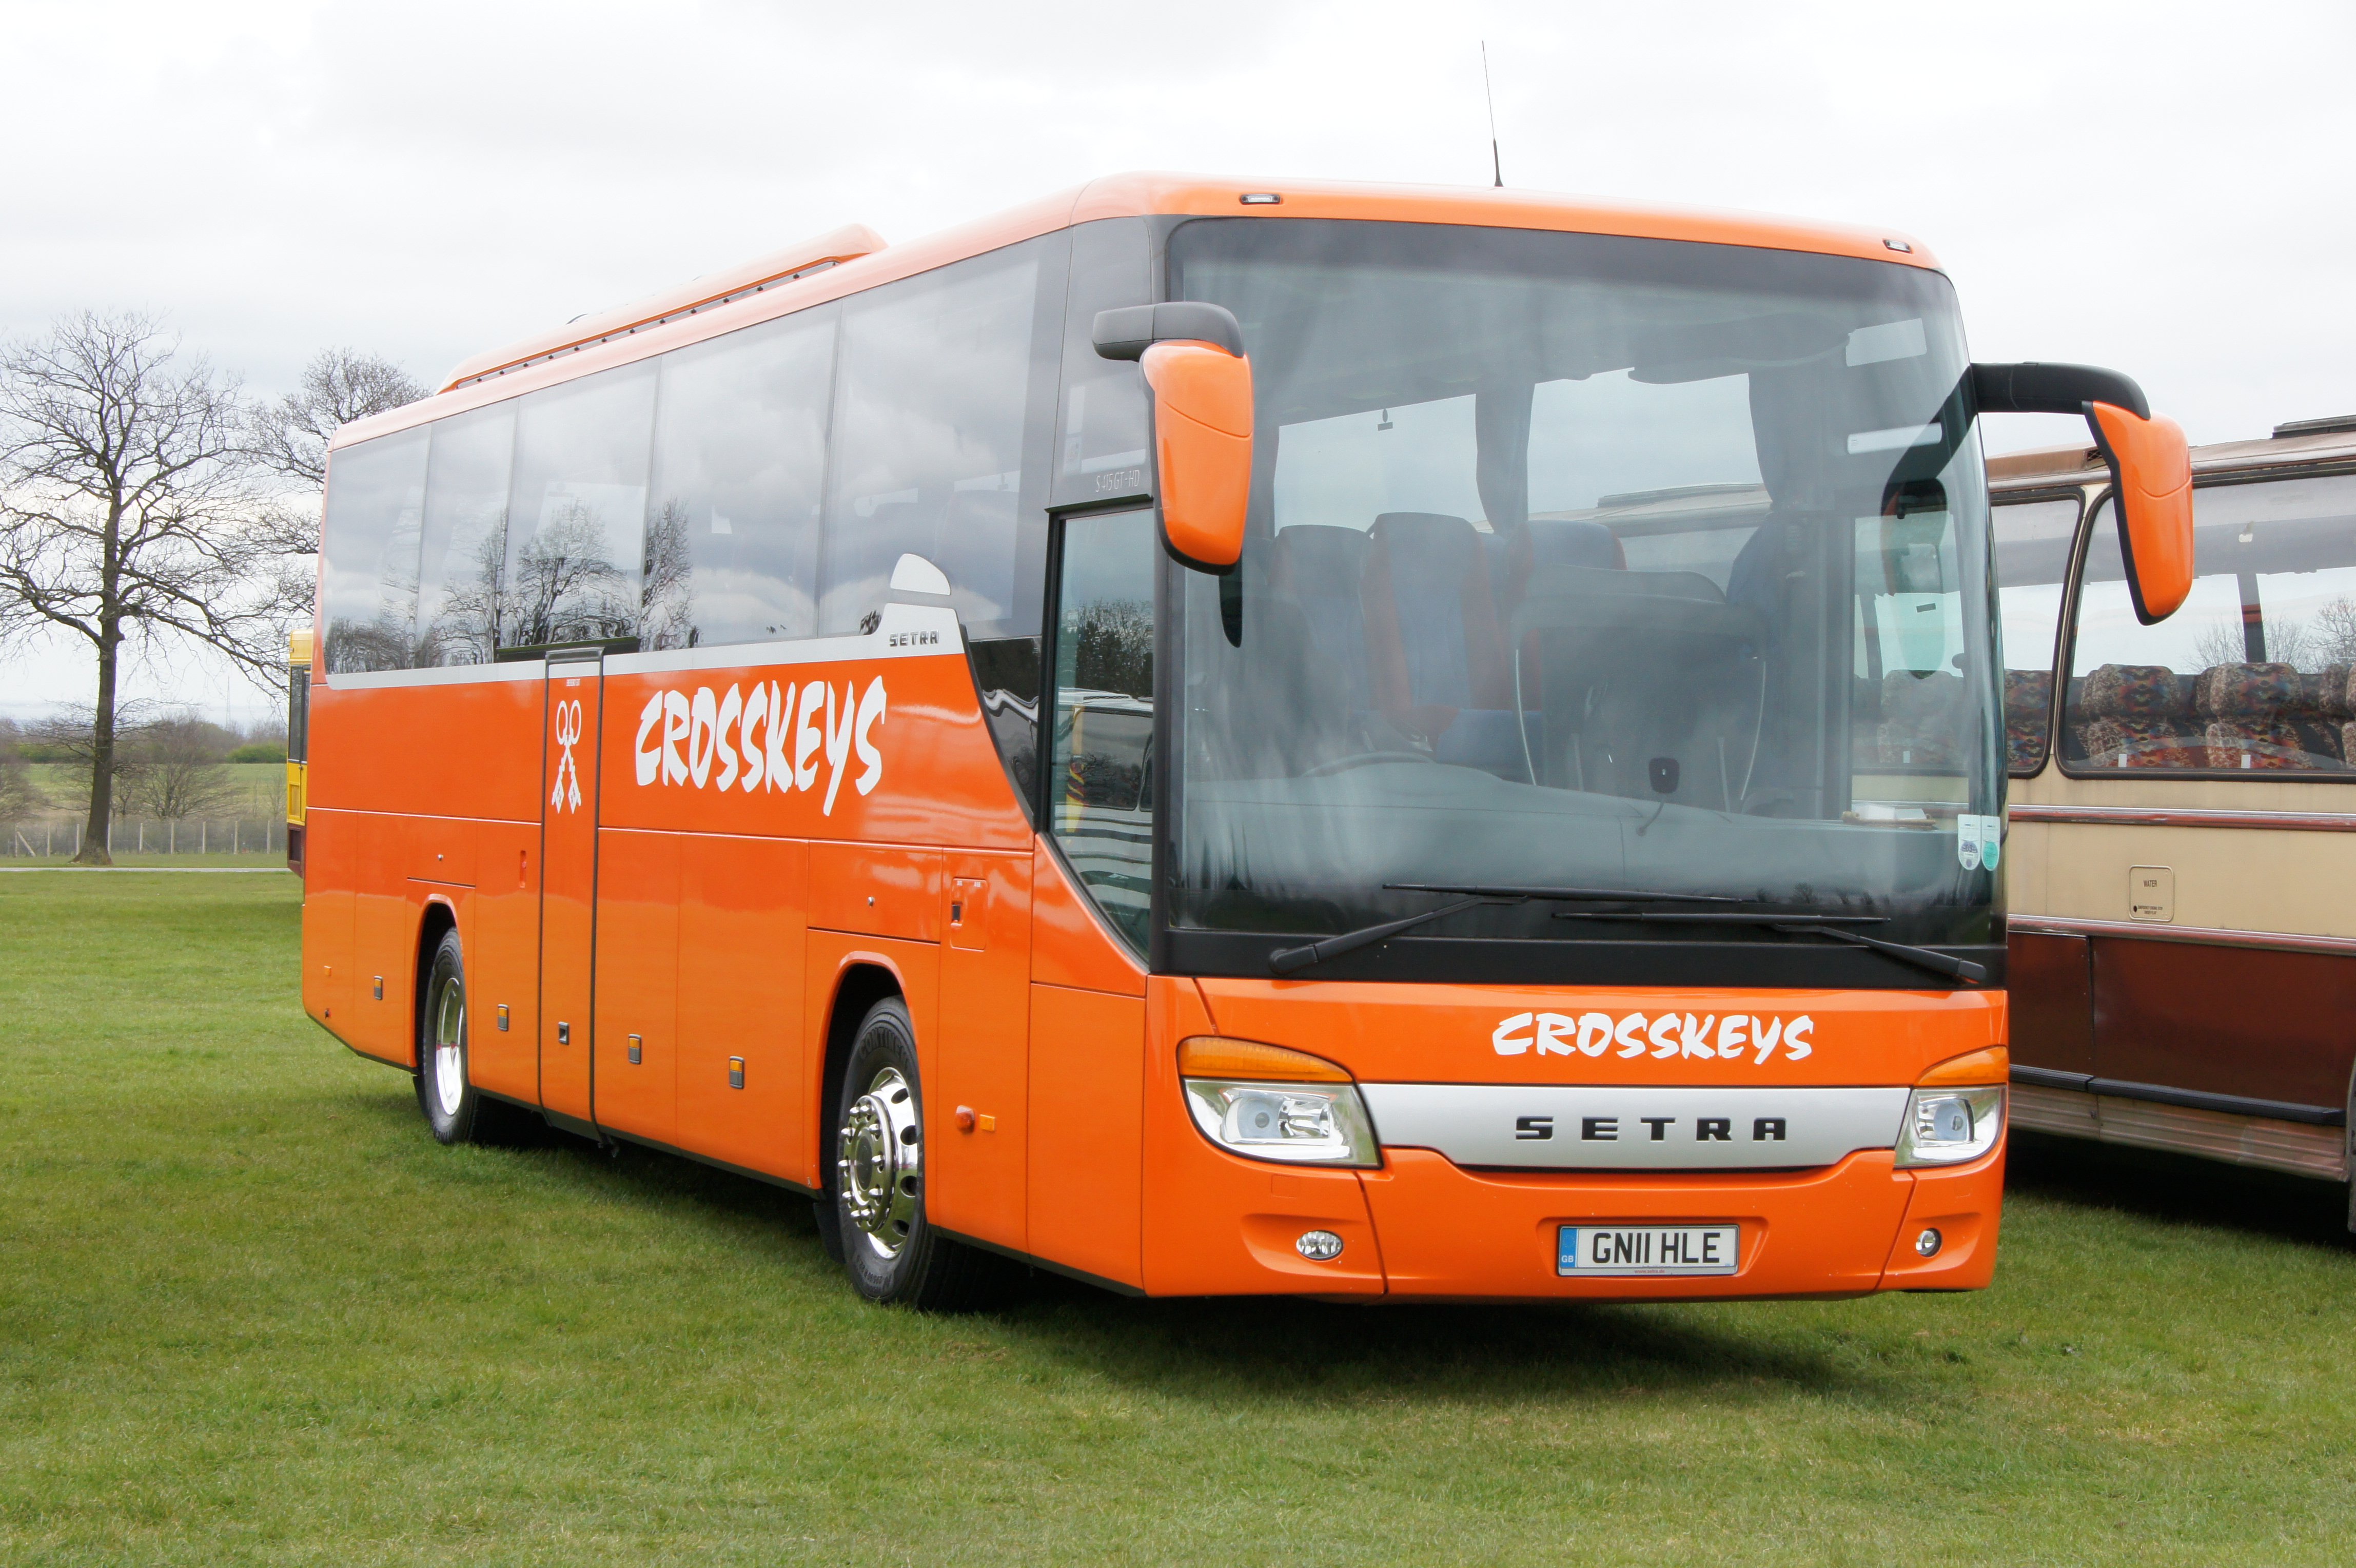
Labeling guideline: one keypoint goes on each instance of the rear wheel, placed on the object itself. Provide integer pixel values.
(454, 1109)
(887, 1246)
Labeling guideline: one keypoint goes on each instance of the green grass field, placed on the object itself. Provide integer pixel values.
(250, 1312)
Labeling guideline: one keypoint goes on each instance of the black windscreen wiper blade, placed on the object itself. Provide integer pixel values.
(1291, 961)
(1835, 926)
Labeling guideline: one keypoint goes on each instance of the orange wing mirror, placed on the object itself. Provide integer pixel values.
(2151, 467)
(1192, 354)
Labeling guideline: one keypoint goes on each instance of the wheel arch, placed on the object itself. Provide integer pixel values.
(438, 916)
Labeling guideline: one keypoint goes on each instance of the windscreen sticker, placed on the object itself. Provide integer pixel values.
(770, 738)
(1979, 840)
(1709, 1037)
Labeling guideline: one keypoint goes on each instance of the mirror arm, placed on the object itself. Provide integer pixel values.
(2034, 388)
(1127, 333)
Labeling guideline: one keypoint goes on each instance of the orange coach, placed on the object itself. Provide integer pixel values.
(1218, 738)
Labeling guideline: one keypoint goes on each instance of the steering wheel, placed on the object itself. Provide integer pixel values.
(1363, 759)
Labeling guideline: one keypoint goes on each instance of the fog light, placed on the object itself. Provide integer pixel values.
(1928, 1244)
(1319, 1245)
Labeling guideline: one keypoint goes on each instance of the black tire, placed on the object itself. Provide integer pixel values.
(876, 1199)
(456, 1111)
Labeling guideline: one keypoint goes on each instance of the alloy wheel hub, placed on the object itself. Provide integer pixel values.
(880, 1161)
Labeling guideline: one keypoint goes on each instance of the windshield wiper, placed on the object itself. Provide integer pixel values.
(1835, 926)
(1289, 960)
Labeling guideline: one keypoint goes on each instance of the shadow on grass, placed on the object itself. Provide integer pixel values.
(1260, 1348)
(2153, 1184)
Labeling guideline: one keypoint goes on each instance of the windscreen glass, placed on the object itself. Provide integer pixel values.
(1586, 561)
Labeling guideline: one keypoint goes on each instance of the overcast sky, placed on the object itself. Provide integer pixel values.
(2159, 187)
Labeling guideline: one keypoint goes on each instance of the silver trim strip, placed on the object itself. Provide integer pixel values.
(906, 632)
(2199, 936)
(1626, 1127)
(2212, 1134)
(2188, 817)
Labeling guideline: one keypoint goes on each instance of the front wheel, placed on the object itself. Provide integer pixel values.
(890, 1251)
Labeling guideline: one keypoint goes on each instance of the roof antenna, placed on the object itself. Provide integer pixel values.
(1496, 164)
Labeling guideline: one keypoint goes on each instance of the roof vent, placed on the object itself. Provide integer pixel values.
(2336, 424)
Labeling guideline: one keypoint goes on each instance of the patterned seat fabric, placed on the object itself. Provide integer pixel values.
(2269, 716)
(2027, 700)
(2140, 715)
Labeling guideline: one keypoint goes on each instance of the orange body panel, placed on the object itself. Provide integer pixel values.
(500, 928)
(619, 864)
(741, 952)
(1087, 1060)
(637, 985)
(979, 1163)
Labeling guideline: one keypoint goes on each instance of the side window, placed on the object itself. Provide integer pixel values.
(576, 518)
(739, 465)
(2252, 672)
(2032, 559)
(375, 500)
(927, 445)
(1099, 783)
(1100, 432)
(465, 537)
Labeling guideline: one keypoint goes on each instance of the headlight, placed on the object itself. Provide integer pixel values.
(1270, 1102)
(1322, 1124)
(1948, 1127)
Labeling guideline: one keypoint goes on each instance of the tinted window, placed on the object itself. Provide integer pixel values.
(927, 456)
(2251, 673)
(465, 537)
(1101, 429)
(577, 512)
(2032, 559)
(369, 572)
(1101, 802)
(739, 466)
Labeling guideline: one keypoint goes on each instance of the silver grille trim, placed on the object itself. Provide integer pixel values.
(1618, 1127)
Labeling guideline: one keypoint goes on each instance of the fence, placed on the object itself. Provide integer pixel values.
(57, 839)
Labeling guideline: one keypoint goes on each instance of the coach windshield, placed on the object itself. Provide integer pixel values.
(1583, 561)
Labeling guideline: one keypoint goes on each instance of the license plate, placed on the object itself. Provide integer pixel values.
(1646, 1249)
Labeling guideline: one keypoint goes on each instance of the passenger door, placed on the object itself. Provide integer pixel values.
(568, 886)
(1088, 1011)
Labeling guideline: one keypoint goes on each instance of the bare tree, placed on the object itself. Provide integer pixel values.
(18, 793)
(171, 769)
(289, 437)
(127, 510)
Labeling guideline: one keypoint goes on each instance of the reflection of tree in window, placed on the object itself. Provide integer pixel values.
(1113, 647)
(666, 591)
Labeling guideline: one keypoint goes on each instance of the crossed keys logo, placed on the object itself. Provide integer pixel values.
(567, 794)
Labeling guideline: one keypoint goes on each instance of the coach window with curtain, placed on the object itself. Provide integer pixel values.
(2032, 539)
(2252, 673)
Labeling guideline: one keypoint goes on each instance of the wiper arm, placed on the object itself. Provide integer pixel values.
(1835, 926)
(1289, 960)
